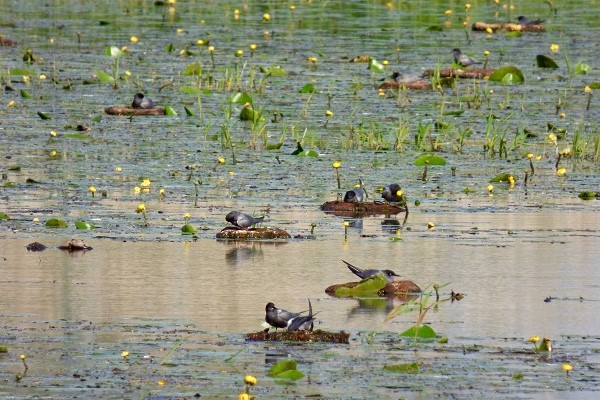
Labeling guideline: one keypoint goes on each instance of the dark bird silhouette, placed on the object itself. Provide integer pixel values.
(462, 59)
(278, 317)
(390, 193)
(302, 322)
(356, 195)
(523, 20)
(242, 220)
(367, 273)
(140, 101)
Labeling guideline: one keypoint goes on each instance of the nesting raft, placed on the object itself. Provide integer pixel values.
(300, 336)
(510, 27)
(399, 289)
(134, 111)
(344, 209)
(471, 73)
(231, 232)
(414, 85)
(4, 41)
(75, 245)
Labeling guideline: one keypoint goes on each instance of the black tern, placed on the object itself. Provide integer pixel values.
(526, 21)
(390, 193)
(242, 220)
(278, 317)
(356, 195)
(302, 322)
(462, 59)
(367, 273)
(139, 101)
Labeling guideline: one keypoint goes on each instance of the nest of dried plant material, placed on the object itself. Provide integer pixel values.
(469, 73)
(253, 233)
(414, 85)
(4, 41)
(361, 59)
(482, 26)
(404, 290)
(344, 209)
(300, 336)
(35, 246)
(134, 111)
(75, 245)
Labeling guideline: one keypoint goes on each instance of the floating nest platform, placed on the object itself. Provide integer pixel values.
(470, 73)
(510, 27)
(343, 209)
(414, 85)
(299, 336)
(4, 41)
(75, 245)
(134, 111)
(404, 290)
(233, 233)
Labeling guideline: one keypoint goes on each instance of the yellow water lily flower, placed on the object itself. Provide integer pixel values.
(250, 380)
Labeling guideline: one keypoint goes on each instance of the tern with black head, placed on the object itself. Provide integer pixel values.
(368, 273)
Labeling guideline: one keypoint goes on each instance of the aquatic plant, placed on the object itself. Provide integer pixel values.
(567, 368)
(141, 209)
(286, 369)
(336, 165)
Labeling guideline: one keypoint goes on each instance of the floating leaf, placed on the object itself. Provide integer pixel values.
(14, 168)
(283, 366)
(431, 158)
(22, 72)
(292, 375)
(308, 88)
(594, 85)
(83, 225)
(581, 68)
(435, 28)
(104, 77)
(44, 115)
(274, 146)
(275, 70)
(545, 62)
(443, 340)
(410, 368)
(170, 112)
(376, 66)
(193, 69)
(188, 229)
(170, 48)
(395, 239)
(113, 51)
(453, 112)
(25, 94)
(188, 111)
(191, 90)
(4, 216)
(56, 223)
(514, 34)
(366, 288)
(3, 349)
(241, 98)
(250, 114)
(97, 118)
(420, 331)
(499, 74)
(509, 79)
(78, 136)
(308, 153)
(502, 178)
(588, 195)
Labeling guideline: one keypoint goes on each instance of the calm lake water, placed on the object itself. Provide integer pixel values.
(162, 296)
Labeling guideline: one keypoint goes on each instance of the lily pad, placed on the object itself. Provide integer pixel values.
(502, 178)
(308, 153)
(545, 62)
(78, 136)
(193, 69)
(25, 94)
(308, 88)
(514, 34)
(594, 85)
(250, 114)
(420, 332)
(282, 366)
(104, 77)
(22, 72)
(56, 223)
(275, 70)
(582, 196)
(367, 288)
(4, 216)
(44, 115)
(170, 111)
(376, 66)
(241, 98)
(274, 146)
(431, 158)
(188, 111)
(188, 229)
(514, 75)
(83, 225)
(410, 368)
(581, 68)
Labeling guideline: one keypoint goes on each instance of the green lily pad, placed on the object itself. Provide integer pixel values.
(283, 366)
(170, 111)
(275, 70)
(241, 98)
(583, 195)
(308, 88)
(4, 216)
(308, 153)
(83, 225)
(292, 375)
(44, 115)
(188, 229)
(366, 288)
(78, 136)
(581, 68)
(376, 66)
(193, 69)
(453, 112)
(188, 111)
(502, 178)
(420, 331)
(104, 77)
(22, 72)
(56, 223)
(250, 114)
(113, 51)
(514, 34)
(545, 62)
(170, 48)
(410, 368)
(274, 146)
(431, 158)
(25, 94)
(594, 85)
(3, 349)
(514, 75)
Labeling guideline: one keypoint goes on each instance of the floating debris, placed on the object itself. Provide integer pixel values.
(300, 336)
(35, 246)
(510, 27)
(75, 245)
(134, 111)
(345, 209)
(252, 233)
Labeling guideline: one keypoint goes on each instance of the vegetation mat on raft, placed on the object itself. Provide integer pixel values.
(300, 336)
(134, 111)
(344, 209)
(482, 26)
(414, 85)
(252, 233)
(471, 73)
(404, 290)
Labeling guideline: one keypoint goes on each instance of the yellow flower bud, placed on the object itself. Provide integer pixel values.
(250, 380)
(266, 17)
(337, 164)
